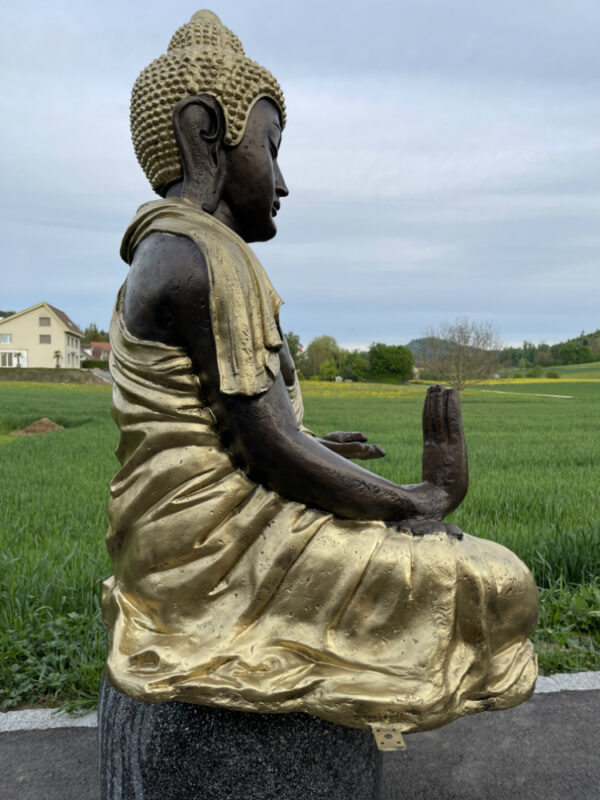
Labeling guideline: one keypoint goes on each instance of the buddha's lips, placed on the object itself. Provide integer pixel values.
(275, 209)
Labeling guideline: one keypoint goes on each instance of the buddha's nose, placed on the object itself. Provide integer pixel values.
(281, 189)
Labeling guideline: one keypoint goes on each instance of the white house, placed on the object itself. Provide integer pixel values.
(40, 336)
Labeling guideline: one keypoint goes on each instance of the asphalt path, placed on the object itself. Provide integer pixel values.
(545, 749)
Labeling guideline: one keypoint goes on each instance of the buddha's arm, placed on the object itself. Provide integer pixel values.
(167, 300)
(264, 435)
(350, 444)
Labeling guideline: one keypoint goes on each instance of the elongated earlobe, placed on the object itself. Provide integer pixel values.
(199, 128)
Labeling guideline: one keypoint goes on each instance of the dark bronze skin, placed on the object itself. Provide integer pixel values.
(166, 299)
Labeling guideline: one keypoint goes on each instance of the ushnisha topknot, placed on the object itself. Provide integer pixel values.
(203, 57)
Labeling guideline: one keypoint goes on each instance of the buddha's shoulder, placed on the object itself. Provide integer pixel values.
(174, 243)
(167, 282)
(168, 274)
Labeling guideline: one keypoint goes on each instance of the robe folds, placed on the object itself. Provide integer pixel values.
(227, 594)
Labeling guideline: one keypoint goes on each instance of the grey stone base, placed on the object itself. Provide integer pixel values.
(181, 751)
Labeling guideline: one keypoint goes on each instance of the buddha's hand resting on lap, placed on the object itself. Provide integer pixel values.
(444, 449)
(427, 527)
(351, 444)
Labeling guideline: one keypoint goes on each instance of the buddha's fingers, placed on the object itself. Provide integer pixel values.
(425, 527)
(353, 449)
(370, 451)
(427, 416)
(439, 431)
(453, 416)
(345, 436)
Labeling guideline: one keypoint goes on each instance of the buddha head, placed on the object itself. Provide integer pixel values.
(206, 124)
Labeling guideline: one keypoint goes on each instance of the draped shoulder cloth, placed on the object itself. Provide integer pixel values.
(244, 306)
(224, 593)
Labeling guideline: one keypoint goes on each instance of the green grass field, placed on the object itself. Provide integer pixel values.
(568, 371)
(535, 463)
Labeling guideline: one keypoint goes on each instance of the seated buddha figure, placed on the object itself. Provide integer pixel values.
(256, 567)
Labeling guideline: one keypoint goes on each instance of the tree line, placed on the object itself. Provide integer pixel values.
(94, 334)
(582, 349)
(457, 354)
(325, 360)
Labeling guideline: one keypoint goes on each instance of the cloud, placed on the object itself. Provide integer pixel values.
(442, 159)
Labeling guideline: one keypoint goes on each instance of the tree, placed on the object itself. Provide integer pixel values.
(542, 357)
(390, 361)
(294, 345)
(57, 355)
(529, 350)
(323, 348)
(93, 334)
(571, 353)
(355, 366)
(461, 353)
(328, 370)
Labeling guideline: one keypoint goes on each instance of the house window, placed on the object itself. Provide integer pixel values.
(45, 338)
(44, 322)
(6, 338)
(6, 359)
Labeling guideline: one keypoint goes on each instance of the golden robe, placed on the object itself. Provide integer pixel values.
(225, 593)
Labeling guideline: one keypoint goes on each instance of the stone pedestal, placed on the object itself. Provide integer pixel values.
(181, 751)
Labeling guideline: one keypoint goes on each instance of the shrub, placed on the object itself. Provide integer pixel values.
(517, 376)
(393, 360)
(552, 374)
(94, 363)
(534, 372)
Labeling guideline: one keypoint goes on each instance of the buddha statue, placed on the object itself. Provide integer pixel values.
(256, 567)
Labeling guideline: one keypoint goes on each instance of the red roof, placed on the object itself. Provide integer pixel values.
(100, 350)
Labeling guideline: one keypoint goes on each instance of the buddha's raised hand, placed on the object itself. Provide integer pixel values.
(444, 448)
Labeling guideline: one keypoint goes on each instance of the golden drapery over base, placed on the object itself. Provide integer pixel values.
(225, 593)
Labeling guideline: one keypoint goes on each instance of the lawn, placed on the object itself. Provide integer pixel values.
(568, 371)
(53, 496)
(534, 486)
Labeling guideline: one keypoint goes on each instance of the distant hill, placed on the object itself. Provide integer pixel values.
(418, 348)
(582, 349)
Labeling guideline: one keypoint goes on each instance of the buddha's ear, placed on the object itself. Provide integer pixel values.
(199, 129)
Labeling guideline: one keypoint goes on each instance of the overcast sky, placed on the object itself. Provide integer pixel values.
(443, 159)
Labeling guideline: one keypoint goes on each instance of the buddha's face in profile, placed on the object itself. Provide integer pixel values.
(253, 184)
(206, 125)
(239, 185)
